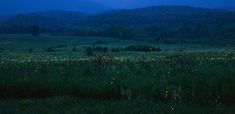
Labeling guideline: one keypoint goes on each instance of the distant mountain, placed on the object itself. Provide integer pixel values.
(4, 18)
(49, 21)
(27, 6)
(162, 15)
(228, 8)
(145, 3)
(170, 16)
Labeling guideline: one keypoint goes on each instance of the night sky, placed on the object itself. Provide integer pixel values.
(92, 6)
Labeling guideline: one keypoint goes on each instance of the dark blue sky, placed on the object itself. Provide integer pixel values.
(25, 6)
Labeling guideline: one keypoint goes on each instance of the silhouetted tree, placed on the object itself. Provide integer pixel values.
(35, 30)
(184, 32)
(121, 32)
(126, 33)
(201, 31)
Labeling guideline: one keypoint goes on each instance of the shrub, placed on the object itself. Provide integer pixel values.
(99, 42)
(115, 49)
(30, 50)
(61, 46)
(91, 50)
(141, 48)
(35, 30)
(74, 49)
(49, 50)
(100, 49)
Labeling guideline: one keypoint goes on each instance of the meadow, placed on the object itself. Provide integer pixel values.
(67, 74)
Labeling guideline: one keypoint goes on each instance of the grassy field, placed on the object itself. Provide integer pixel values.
(70, 105)
(20, 43)
(55, 74)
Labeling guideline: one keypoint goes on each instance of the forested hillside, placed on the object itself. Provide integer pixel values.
(159, 22)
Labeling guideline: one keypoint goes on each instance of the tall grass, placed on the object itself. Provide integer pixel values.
(189, 78)
(70, 105)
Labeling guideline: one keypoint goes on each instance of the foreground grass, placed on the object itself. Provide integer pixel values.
(190, 78)
(70, 105)
(33, 82)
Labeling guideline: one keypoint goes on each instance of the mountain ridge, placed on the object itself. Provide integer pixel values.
(27, 6)
(173, 17)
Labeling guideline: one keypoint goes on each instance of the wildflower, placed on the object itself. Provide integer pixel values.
(172, 108)
(166, 94)
(112, 83)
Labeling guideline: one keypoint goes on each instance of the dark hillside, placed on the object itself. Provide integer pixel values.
(49, 21)
(158, 22)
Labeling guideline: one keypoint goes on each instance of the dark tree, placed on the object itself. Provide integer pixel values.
(121, 32)
(35, 30)
(126, 33)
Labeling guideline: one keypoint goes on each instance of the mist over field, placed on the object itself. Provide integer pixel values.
(117, 56)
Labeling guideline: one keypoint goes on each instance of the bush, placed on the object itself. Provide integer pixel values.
(74, 49)
(30, 50)
(35, 30)
(49, 50)
(115, 49)
(141, 48)
(61, 46)
(99, 42)
(90, 50)
(100, 49)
